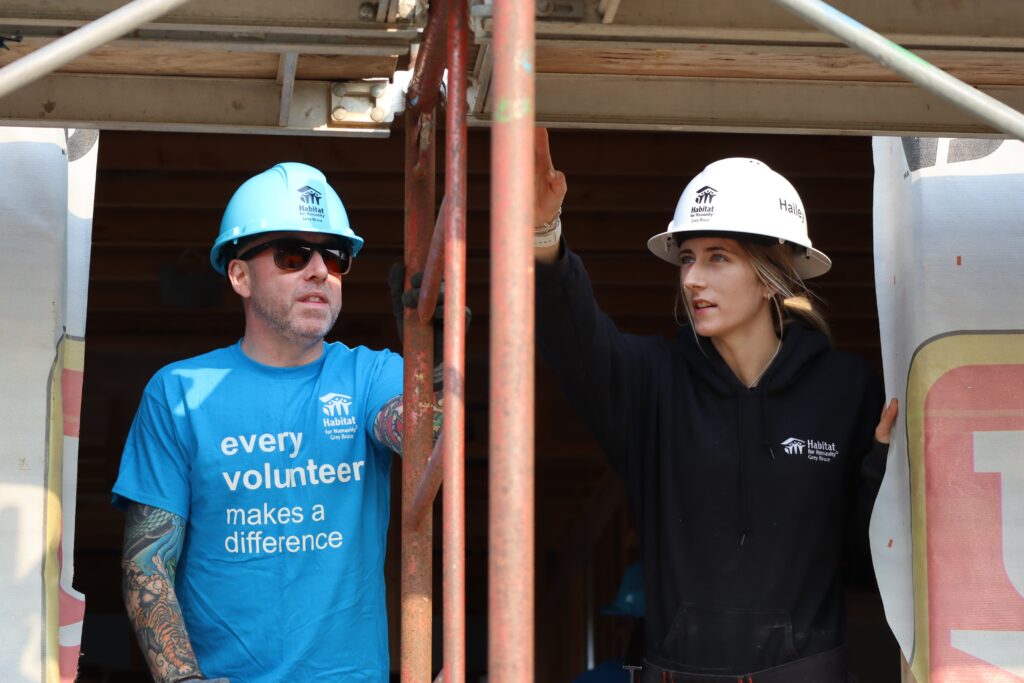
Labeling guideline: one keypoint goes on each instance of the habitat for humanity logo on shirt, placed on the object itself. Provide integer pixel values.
(338, 422)
(821, 451)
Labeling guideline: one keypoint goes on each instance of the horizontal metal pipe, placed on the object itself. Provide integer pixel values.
(54, 55)
(906, 63)
(430, 288)
(426, 489)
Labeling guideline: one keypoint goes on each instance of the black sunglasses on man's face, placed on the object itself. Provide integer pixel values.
(293, 254)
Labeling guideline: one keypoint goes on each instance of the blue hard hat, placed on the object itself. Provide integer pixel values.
(630, 602)
(288, 197)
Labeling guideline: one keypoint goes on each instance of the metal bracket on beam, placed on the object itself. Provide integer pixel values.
(561, 9)
(566, 10)
(286, 77)
(369, 103)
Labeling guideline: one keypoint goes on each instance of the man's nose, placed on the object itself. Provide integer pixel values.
(316, 268)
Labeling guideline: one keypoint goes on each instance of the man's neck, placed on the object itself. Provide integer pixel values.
(280, 353)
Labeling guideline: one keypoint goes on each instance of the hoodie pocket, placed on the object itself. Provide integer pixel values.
(710, 639)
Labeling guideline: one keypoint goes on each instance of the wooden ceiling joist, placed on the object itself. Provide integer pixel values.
(751, 66)
(230, 66)
(746, 65)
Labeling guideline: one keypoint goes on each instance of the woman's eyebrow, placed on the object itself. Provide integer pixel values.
(715, 247)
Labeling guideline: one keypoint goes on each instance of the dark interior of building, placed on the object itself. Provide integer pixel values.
(153, 298)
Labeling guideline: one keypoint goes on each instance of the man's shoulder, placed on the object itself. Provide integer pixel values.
(217, 361)
(340, 352)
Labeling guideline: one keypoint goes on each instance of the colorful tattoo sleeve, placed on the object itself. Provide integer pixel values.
(152, 545)
(387, 426)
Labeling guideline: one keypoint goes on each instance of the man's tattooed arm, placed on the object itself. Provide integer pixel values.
(152, 546)
(387, 426)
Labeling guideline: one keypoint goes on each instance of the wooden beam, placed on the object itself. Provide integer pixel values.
(202, 60)
(995, 18)
(174, 104)
(788, 63)
(748, 105)
(314, 14)
(750, 33)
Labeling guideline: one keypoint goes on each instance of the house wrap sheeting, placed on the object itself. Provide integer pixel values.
(947, 532)
(46, 202)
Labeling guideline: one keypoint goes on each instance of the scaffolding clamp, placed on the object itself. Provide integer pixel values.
(16, 38)
(372, 103)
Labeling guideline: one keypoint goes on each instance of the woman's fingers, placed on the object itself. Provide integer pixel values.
(886, 421)
(542, 152)
(549, 185)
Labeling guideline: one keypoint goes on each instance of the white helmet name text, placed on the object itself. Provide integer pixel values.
(791, 207)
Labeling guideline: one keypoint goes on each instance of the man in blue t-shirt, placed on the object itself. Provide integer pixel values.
(256, 477)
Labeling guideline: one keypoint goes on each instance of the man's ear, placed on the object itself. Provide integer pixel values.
(240, 278)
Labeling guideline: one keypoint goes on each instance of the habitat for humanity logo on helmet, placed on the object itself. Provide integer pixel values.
(702, 208)
(338, 423)
(819, 451)
(309, 202)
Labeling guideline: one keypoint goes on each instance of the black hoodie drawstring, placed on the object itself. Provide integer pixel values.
(741, 469)
(765, 441)
(741, 484)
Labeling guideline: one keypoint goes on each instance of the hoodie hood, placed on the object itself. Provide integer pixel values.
(800, 347)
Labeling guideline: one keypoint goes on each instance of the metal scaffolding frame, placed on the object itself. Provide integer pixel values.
(105, 29)
(510, 646)
(442, 250)
(889, 54)
(441, 247)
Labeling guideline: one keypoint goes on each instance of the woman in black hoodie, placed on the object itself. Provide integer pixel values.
(752, 451)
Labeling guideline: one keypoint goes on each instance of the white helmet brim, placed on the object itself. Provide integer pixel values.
(808, 262)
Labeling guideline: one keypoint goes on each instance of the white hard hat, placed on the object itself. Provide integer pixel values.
(742, 196)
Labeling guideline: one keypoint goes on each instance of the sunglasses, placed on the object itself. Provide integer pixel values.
(293, 254)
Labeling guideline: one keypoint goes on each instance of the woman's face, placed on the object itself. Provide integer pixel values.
(723, 293)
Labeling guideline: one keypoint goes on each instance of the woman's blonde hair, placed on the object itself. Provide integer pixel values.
(791, 299)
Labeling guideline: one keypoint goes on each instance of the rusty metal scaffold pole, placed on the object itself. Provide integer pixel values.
(454, 525)
(455, 350)
(417, 433)
(511, 552)
(417, 416)
(420, 476)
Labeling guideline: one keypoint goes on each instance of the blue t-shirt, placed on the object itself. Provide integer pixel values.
(286, 495)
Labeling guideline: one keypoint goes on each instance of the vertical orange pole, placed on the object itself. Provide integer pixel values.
(454, 524)
(417, 432)
(511, 587)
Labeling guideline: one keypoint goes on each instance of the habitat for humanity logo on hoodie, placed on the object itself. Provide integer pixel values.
(821, 451)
